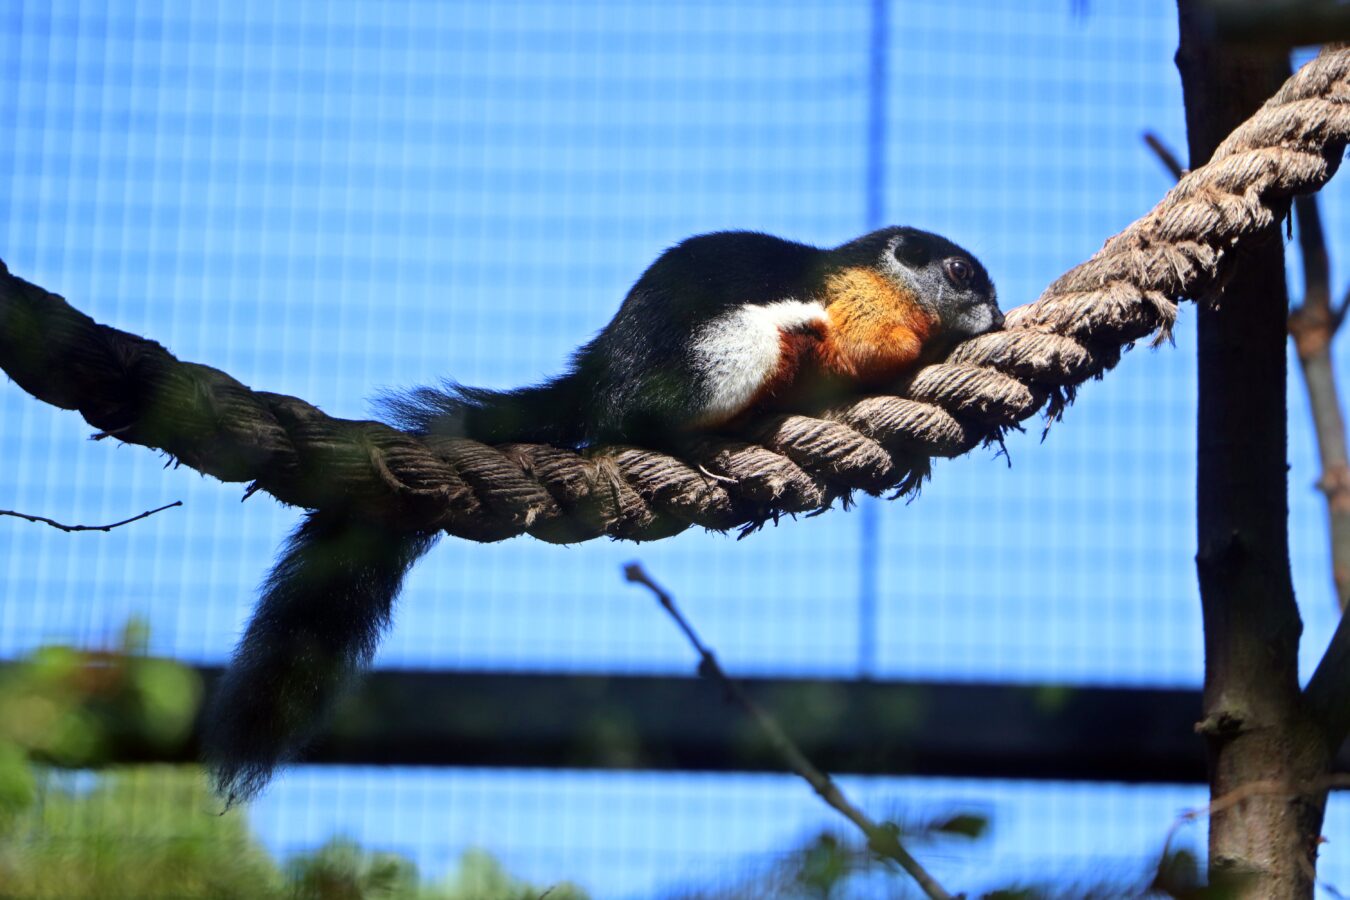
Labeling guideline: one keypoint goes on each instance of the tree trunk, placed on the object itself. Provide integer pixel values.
(1257, 733)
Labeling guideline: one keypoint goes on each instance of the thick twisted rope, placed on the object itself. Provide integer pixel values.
(133, 389)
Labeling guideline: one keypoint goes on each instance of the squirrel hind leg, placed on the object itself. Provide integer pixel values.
(316, 626)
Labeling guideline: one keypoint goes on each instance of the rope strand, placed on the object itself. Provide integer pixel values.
(133, 389)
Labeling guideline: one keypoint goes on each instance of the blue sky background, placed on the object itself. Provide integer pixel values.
(327, 199)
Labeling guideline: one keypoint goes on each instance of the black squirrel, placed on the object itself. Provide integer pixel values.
(720, 326)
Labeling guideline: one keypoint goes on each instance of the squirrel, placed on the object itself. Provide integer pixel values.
(720, 326)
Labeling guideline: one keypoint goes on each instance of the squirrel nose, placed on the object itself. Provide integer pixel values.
(998, 318)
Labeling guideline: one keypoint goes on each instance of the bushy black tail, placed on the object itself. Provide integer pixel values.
(549, 413)
(322, 610)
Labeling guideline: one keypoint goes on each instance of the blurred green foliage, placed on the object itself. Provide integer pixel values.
(144, 832)
(342, 870)
(156, 831)
(76, 708)
(152, 832)
(840, 867)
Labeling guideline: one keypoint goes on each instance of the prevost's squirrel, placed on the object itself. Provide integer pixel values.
(719, 327)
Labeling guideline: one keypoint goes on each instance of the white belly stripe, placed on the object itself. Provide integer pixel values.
(738, 351)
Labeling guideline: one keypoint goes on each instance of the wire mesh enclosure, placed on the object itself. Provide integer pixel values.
(330, 200)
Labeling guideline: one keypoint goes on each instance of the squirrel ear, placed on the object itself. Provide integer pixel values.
(912, 250)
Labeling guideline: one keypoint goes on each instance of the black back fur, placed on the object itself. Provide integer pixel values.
(636, 381)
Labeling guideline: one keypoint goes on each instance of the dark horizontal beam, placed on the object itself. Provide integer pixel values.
(672, 723)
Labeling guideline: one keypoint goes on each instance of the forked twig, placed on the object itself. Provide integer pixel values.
(43, 520)
(884, 840)
(1262, 788)
(1313, 324)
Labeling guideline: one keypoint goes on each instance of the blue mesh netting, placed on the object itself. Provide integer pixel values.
(327, 199)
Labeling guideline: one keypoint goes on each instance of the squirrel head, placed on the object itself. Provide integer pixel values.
(944, 280)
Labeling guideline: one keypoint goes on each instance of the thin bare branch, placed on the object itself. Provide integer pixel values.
(1313, 325)
(68, 528)
(1262, 788)
(884, 840)
(1165, 155)
(1312, 246)
(1325, 695)
(1338, 314)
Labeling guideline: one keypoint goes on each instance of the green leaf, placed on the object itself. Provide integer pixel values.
(967, 824)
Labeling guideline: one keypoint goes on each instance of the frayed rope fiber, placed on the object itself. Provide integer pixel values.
(133, 389)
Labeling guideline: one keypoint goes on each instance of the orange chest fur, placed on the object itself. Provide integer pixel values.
(877, 330)
(875, 333)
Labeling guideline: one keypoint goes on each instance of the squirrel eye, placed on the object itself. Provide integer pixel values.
(959, 270)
